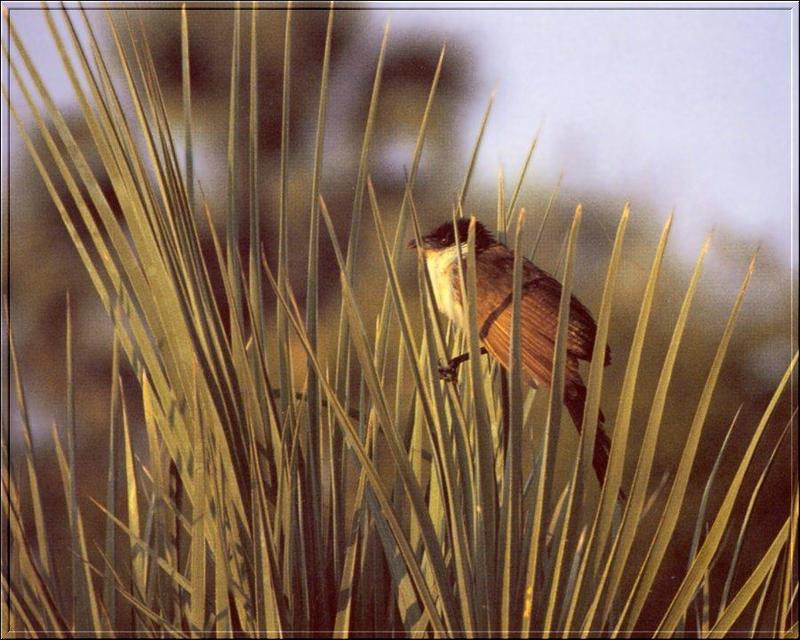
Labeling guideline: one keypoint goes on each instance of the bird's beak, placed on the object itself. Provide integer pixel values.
(412, 244)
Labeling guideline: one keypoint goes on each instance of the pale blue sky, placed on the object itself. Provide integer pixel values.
(680, 108)
(671, 108)
(691, 109)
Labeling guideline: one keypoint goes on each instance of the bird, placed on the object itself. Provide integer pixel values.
(541, 296)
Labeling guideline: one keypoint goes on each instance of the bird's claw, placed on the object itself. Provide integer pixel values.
(448, 372)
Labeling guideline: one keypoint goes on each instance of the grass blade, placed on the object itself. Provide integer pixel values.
(512, 484)
(284, 356)
(316, 462)
(485, 499)
(730, 614)
(232, 224)
(462, 194)
(369, 469)
(109, 595)
(523, 172)
(197, 552)
(692, 579)
(611, 486)
(42, 538)
(553, 421)
(399, 456)
(444, 463)
(553, 195)
(746, 518)
(786, 609)
(595, 383)
(342, 348)
(81, 618)
(623, 542)
(592, 407)
(187, 104)
(676, 495)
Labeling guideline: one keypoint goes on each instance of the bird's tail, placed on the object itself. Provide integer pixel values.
(575, 400)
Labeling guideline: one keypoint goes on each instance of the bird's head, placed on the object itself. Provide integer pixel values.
(445, 236)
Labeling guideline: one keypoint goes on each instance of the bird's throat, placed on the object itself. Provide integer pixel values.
(443, 269)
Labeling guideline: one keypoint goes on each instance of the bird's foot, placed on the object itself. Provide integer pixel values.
(449, 372)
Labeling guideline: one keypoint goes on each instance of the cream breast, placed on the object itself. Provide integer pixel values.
(443, 270)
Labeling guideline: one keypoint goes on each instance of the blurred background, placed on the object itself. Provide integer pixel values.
(676, 108)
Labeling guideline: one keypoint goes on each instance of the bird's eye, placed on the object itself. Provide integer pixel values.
(443, 241)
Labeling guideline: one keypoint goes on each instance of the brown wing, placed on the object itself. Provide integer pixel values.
(541, 296)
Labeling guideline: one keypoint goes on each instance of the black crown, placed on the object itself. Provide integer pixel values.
(445, 236)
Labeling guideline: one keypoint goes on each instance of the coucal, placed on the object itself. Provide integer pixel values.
(541, 297)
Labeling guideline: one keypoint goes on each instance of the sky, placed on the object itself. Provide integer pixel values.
(686, 109)
(691, 109)
(694, 110)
